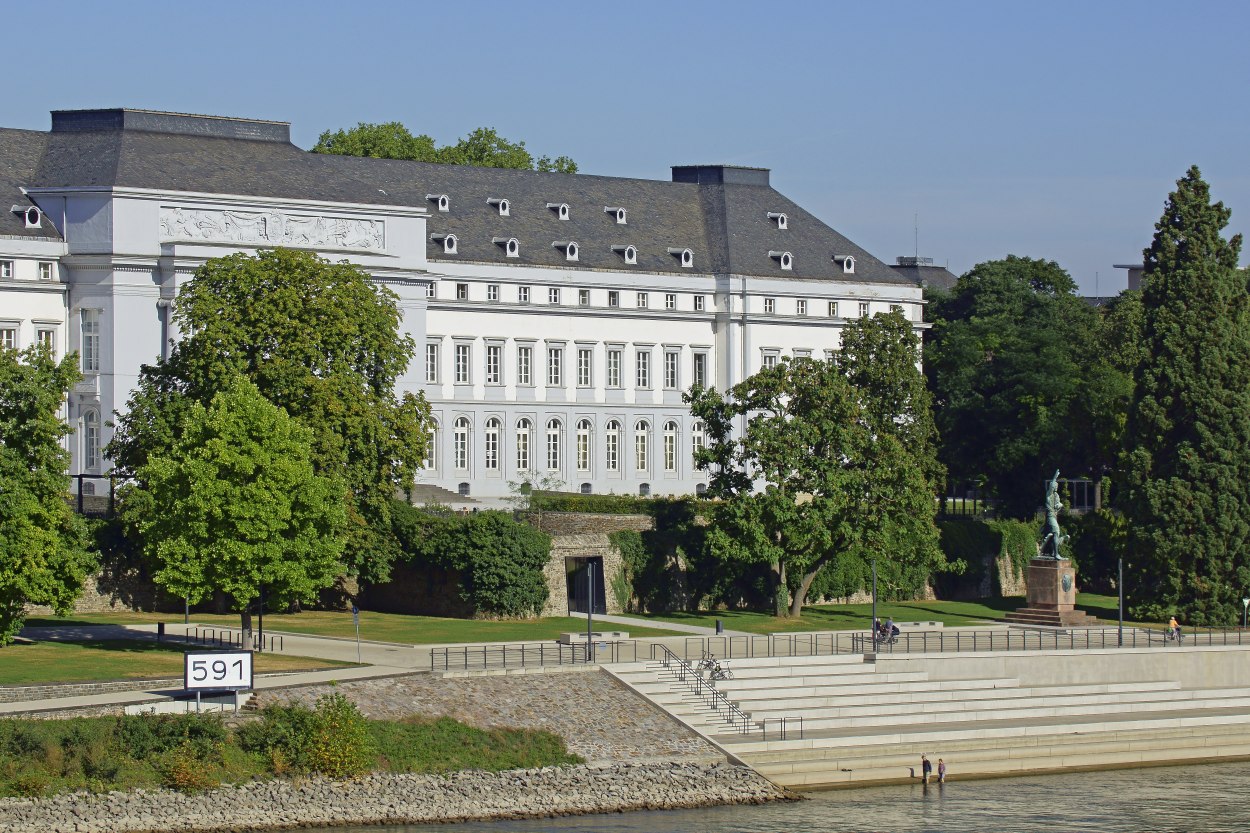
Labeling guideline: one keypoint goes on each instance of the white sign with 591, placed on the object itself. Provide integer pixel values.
(217, 670)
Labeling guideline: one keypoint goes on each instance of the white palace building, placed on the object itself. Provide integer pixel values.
(559, 317)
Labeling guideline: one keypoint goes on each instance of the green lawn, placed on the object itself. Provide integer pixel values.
(379, 627)
(858, 616)
(42, 663)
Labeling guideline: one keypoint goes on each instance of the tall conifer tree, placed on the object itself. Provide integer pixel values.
(1188, 439)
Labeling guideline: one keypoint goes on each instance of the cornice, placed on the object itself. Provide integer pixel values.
(233, 200)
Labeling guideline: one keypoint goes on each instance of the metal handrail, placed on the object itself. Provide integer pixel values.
(228, 636)
(1027, 639)
(531, 654)
(725, 708)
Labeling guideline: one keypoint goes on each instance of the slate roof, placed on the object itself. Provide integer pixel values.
(937, 277)
(20, 152)
(725, 224)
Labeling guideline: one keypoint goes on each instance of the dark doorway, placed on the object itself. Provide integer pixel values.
(575, 575)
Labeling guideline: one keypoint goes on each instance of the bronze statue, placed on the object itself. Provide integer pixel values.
(1052, 535)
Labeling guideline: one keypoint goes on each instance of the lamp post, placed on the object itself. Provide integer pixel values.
(1245, 605)
(1119, 586)
(590, 609)
(874, 605)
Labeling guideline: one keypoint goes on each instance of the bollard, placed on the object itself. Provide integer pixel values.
(160, 631)
(720, 627)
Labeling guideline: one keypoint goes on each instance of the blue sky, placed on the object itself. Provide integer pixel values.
(1049, 129)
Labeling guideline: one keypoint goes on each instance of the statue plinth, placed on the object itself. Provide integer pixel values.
(1051, 596)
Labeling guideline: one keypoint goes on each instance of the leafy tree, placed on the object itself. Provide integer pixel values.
(1188, 435)
(43, 544)
(319, 340)
(234, 505)
(483, 148)
(1006, 361)
(843, 451)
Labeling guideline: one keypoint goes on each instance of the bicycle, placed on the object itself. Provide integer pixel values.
(1174, 635)
(716, 670)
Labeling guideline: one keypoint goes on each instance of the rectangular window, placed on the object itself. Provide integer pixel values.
(615, 358)
(802, 354)
(555, 357)
(670, 300)
(90, 340)
(612, 448)
(863, 309)
(770, 360)
(583, 297)
(464, 354)
(494, 362)
(670, 450)
(45, 271)
(700, 370)
(641, 442)
(492, 292)
(833, 309)
(462, 292)
(431, 364)
(553, 446)
(585, 356)
(491, 460)
(8, 338)
(642, 300)
(47, 338)
(699, 302)
(553, 296)
(429, 290)
(644, 369)
(583, 446)
(830, 354)
(614, 298)
(524, 365)
(6, 268)
(523, 294)
(770, 305)
(523, 435)
(896, 308)
(800, 307)
(671, 361)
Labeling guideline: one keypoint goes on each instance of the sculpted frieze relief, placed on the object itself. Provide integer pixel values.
(272, 228)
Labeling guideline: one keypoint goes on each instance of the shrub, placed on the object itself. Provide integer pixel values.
(340, 745)
(183, 769)
(142, 735)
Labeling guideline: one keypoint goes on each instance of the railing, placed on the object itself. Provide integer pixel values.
(783, 724)
(530, 654)
(772, 645)
(726, 709)
(1022, 639)
(223, 636)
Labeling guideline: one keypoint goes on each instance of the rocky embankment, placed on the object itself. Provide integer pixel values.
(394, 799)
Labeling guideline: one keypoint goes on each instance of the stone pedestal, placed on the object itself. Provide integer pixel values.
(1051, 596)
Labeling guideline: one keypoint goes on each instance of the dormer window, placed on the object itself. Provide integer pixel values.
(628, 252)
(441, 200)
(511, 246)
(619, 214)
(31, 214)
(847, 262)
(560, 208)
(780, 219)
(505, 208)
(784, 258)
(686, 256)
(569, 248)
(449, 242)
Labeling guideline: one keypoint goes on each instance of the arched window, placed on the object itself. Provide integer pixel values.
(698, 439)
(493, 427)
(670, 446)
(524, 434)
(431, 446)
(553, 445)
(91, 439)
(463, 490)
(642, 445)
(460, 444)
(644, 490)
(612, 446)
(587, 489)
(583, 445)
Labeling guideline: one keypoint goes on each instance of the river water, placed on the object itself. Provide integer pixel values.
(1195, 799)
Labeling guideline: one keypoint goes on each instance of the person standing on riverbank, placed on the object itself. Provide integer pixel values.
(941, 771)
(926, 768)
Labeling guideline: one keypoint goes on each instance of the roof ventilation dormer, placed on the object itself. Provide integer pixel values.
(441, 200)
(31, 214)
(569, 247)
(505, 208)
(628, 252)
(511, 246)
(686, 256)
(450, 243)
(783, 222)
(617, 212)
(560, 208)
(784, 258)
(847, 262)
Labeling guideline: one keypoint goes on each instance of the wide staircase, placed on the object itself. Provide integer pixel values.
(862, 725)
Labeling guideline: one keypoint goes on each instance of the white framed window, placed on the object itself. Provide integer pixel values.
(672, 361)
(553, 295)
(8, 336)
(800, 307)
(770, 359)
(494, 364)
(700, 370)
(670, 300)
(585, 363)
(91, 439)
(524, 436)
(863, 309)
(6, 269)
(429, 290)
(431, 364)
(431, 447)
(583, 297)
(642, 375)
(670, 446)
(700, 303)
(833, 309)
(462, 292)
(491, 458)
(698, 440)
(583, 445)
(616, 358)
(90, 322)
(46, 271)
(555, 361)
(614, 298)
(464, 356)
(770, 306)
(492, 292)
(800, 353)
(830, 354)
(460, 444)
(524, 365)
(523, 294)
(642, 445)
(47, 338)
(896, 308)
(612, 446)
(553, 445)
(642, 300)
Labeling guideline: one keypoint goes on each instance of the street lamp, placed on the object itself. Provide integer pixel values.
(1119, 586)
(1245, 605)
(874, 606)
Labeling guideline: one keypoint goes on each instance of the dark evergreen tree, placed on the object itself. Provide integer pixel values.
(1188, 436)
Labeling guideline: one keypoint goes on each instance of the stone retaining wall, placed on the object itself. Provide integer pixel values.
(587, 523)
(32, 693)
